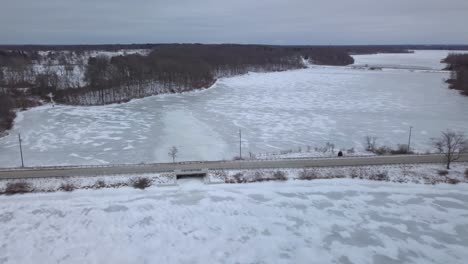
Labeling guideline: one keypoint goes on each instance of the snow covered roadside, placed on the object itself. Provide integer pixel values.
(416, 173)
(309, 152)
(72, 183)
(322, 221)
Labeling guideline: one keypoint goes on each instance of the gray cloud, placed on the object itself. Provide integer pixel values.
(235, 21)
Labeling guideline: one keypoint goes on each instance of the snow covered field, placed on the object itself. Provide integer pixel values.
(276, 111)
(322, 221)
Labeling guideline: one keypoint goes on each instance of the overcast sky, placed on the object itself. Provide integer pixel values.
(234, 21)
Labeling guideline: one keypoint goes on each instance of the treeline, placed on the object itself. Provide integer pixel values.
(74, 76)
(15, 65)
(366, 49)
(184, 67)
(12, 57)
(15, 69)
(79, 48)
(458, 64)
(20, 85)
(7, 115)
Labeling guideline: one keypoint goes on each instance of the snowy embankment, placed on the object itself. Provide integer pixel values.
(12, 186)
(322, 221)
(422, 174)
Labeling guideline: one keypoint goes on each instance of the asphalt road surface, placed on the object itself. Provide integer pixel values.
(190, 167)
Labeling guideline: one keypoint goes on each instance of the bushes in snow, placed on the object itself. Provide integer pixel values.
(100, 184)
(308, 174)
(360, 173)
(453, 181)
(371, 146)
(442, 172)
(313, 174)
(12, 186)
(280, 176)
(385, 150)
(219, 174)
(141, 183)
(445, 173)
(256, 176)
(379, 176)
(354, 173)
(67, 187)
(350, 151)
(401, 149)
(237, 178)
(18, 187)
(328, 148)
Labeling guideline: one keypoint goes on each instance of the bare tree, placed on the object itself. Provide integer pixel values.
(371, 143)
(452, 144)
(173, 153)
(330, 147)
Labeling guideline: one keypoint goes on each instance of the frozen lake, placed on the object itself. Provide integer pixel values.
(322, 221)
(421, 59)
(275, 111)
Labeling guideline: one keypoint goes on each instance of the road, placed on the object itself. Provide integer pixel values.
(69, 171)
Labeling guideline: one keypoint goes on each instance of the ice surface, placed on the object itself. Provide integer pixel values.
(323, 221)
(276, 111)
(421, 59)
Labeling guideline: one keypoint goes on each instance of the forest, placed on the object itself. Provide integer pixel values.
(75, 75)
(458, 64)
(179, 68)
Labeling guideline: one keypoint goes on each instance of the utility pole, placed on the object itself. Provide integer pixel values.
(21, 150)
(409, 139)
(240, 144)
